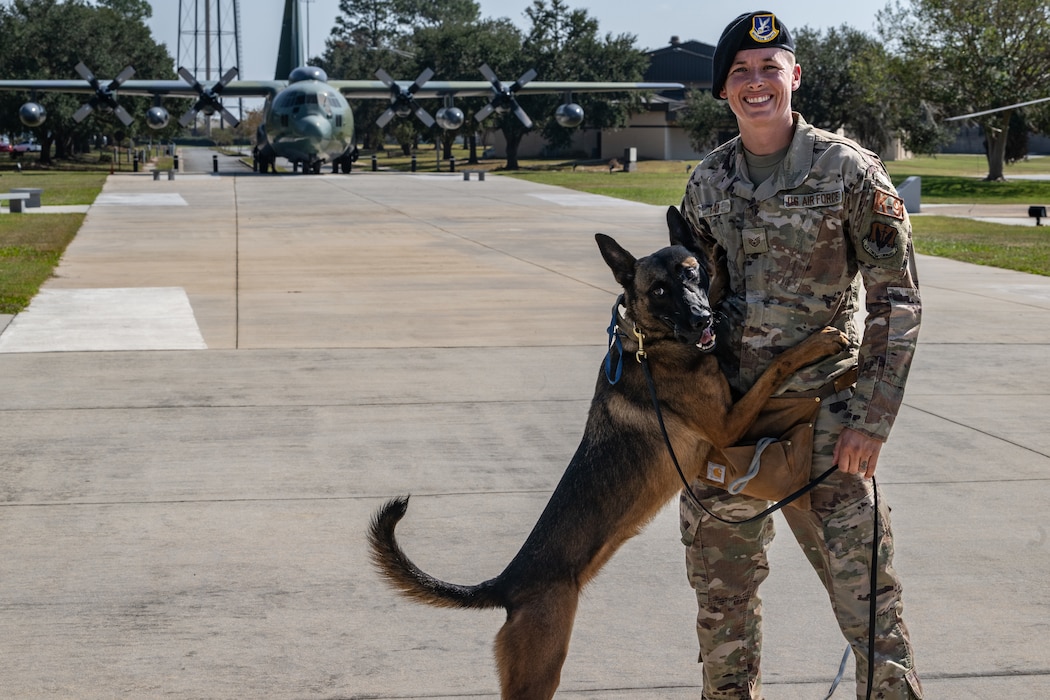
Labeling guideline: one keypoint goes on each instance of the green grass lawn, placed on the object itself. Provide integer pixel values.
(31, 245)
(946, 179)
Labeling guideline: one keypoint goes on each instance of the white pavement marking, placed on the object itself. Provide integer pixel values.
(140, 199)
(72, 320)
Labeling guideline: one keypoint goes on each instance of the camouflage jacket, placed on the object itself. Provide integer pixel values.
(801, 248)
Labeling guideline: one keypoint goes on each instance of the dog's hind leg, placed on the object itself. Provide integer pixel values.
(532, 645)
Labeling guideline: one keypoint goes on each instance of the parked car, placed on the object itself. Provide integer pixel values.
(26, 146)
(5, 146)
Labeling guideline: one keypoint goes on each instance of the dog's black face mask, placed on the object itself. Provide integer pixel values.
(670, 286)
(666, 293)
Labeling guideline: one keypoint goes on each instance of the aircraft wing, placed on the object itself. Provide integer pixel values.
(375, 89)
(997, 109)
(149, 88)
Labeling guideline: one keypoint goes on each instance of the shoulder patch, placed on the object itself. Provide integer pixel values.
(888, 204)
(882, 241)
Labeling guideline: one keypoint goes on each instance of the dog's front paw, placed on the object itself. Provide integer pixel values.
(830, 340)
(824, 343)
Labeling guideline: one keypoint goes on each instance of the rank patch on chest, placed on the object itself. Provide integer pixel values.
(888, 204)
(813, 199)
(881, 241)
(754, 240)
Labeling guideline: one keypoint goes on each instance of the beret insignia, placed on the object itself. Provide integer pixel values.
(764, 28)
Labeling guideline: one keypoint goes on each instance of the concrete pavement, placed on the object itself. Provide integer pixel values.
(190, 523)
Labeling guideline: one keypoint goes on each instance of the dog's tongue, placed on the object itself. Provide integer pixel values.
(706, 339)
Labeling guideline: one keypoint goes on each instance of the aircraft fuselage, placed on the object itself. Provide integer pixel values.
(308, 123)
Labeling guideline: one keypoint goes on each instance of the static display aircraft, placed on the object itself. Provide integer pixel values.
(986, 112)
(306, 117)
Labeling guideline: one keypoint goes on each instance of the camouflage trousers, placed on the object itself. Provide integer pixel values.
(726, 564)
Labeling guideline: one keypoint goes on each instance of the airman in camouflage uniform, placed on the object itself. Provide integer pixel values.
(798, 245)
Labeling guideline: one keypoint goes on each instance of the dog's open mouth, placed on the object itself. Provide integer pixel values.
(707, 339)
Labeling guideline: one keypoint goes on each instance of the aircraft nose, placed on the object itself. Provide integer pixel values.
(314, 127)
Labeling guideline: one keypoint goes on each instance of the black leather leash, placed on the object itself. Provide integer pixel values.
(643, 360)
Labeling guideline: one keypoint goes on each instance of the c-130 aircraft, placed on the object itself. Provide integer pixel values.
(306, 117)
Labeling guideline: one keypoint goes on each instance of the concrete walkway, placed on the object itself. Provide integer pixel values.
(189, 523)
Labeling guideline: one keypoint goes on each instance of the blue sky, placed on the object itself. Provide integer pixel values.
(653, 24)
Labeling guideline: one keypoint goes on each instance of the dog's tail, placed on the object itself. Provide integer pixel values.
(409, 580)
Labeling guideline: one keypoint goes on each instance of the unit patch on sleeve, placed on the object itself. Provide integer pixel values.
(888, 204)
(881, 241)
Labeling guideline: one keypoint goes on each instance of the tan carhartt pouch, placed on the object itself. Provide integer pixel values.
(774, 458)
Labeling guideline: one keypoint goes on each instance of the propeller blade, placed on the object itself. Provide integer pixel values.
(520, 82)
(385, 78)
(188, 117)
(229, 118)
(122, 115)
(121, 77)
(483, 113)
(81, 114)
(187, 76)
(424, 117)
(490, 76)
(522, 116)
(385, 117)
(86, 74)
(421, 80)
(227, 77)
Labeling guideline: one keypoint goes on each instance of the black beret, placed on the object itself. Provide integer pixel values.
(751, 30)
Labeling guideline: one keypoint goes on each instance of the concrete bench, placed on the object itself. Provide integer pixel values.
(34, 196)
(479, 173)
(14, 200)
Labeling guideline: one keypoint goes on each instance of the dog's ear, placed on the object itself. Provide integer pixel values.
(619, 260)
(682, 233)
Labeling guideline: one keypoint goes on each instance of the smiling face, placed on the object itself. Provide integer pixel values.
(759, 87)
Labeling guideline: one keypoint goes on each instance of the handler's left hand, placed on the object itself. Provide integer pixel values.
(856, 453)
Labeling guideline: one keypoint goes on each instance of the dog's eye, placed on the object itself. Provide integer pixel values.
(658, 291)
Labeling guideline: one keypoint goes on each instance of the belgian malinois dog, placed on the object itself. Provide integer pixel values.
(621, 474)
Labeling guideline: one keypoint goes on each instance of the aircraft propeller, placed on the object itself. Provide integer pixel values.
(403, 100)
(503, 100)
(208, 98)
(105, 95)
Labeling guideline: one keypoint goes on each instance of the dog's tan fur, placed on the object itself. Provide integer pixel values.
(621, 474)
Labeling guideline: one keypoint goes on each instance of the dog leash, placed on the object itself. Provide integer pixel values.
(643, 360)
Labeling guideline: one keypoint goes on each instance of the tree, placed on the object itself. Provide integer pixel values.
(45, 39)
(976, 55)
(839, 68)
(455, 51)
(563, 44)
(373, 34)
(706, 120)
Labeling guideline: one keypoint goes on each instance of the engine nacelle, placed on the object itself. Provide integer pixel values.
(32, 114)
(157, 117)
(450, 118)
(569, 115)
